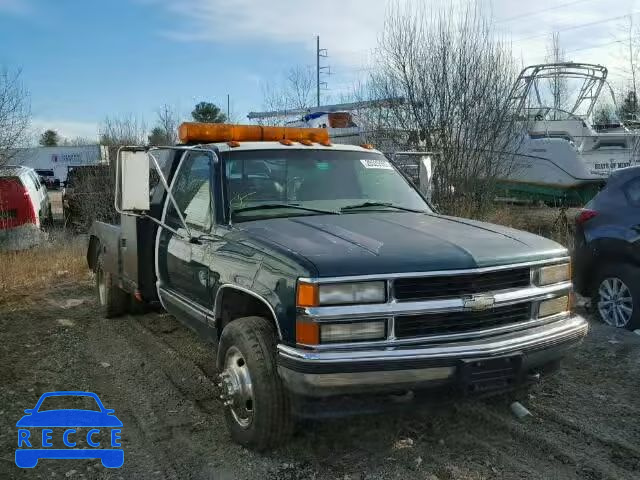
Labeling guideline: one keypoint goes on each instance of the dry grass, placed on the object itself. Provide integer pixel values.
(554, 223)
(37, 269)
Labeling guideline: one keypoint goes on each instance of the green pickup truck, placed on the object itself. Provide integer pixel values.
(321, 273)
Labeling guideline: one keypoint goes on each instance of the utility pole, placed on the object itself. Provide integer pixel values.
(320, 53)
(228, 108)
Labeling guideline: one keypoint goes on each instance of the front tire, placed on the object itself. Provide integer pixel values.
(257, 408)
(112, 299)
(616, 296)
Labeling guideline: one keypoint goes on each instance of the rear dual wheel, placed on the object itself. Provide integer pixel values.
(113, 301)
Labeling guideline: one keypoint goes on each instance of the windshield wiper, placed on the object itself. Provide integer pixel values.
(379, 204)
(272, 206)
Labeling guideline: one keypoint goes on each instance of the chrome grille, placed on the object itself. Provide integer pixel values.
(460, 321)
(442, 287)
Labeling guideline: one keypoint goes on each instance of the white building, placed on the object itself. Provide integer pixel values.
(59, 159)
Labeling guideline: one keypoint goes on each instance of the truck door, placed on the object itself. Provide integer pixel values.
(183, 266)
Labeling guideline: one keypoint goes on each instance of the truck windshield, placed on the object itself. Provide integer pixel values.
(277, 183)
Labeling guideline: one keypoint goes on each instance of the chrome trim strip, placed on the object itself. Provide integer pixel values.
(440, 273)
(216, 305)
(392, 377)
(439, 339)
(502, 298)
(201, 313)
(570, 328)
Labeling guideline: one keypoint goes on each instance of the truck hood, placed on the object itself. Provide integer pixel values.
(398, 242)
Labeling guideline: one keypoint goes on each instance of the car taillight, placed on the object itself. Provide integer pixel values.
(585, 215)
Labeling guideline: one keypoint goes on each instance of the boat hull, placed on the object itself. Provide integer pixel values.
(552, 194)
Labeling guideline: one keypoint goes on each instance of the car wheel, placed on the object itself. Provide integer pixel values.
(257, 408)
(113, 300)
(616, 297)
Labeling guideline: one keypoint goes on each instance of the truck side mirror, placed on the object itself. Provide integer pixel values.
(133, 180)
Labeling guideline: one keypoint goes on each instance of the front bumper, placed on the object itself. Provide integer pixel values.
(415, 367)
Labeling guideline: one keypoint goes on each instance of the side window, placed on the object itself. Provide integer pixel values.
(632, 191)
(28, 182)
(192, 192)
(35, 179)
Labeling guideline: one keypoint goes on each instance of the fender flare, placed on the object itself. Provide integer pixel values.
(217, 304)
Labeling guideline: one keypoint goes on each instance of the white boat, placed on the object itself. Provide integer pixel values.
(560, 156)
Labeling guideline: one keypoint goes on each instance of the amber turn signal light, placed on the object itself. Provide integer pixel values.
(307, 295)
(307, 333)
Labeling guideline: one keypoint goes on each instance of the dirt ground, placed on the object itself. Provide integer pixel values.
(157, 375)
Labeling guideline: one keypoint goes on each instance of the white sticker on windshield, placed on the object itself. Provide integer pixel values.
(376, 163)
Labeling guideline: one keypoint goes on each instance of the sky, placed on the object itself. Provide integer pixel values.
(84, 60)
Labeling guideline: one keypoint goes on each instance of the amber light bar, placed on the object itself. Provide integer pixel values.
(190, 132)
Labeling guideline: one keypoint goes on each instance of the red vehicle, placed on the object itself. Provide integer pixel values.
(24, 206)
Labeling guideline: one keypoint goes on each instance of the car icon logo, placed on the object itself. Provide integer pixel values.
(92, 432)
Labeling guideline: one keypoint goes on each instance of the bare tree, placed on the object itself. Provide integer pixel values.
(15, 114)
(119, 131)
(294, 92)
(168, 120)
(443, 78)
(77, 141)
(604, 114)
(557, 84)
(99, 181)
(166, 130)
(630, 52)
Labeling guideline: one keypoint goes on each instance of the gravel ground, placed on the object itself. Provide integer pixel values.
(157, 375)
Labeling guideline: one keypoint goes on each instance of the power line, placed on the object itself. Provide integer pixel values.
(528, 14)
(575, 27)
(597, 46)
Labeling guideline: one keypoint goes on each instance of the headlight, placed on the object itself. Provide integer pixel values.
(352, 332)
(340, 293)
(553, 306)
(553, 274)
(313, 295)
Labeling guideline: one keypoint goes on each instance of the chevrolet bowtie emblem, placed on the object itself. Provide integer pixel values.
(478, 302)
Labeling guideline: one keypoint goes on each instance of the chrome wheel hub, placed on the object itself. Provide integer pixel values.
(615, 303)
(237, 390)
